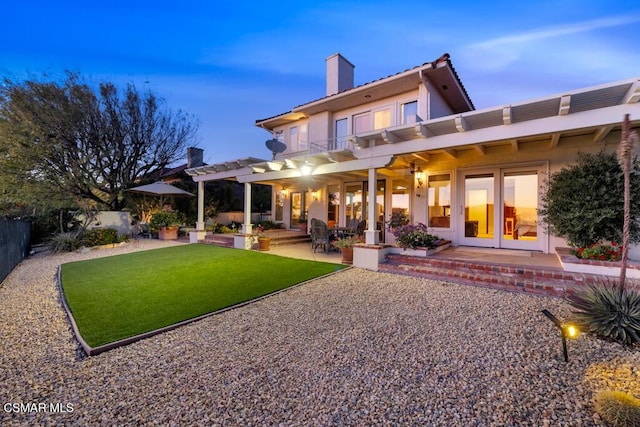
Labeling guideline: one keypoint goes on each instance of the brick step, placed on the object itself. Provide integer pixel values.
(527, 279)
(492, 281)
(224, 241)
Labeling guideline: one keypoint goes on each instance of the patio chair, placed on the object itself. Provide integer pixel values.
(321, 237)
(353, 225)
(144, 232)
(313, 223)
(361, 227)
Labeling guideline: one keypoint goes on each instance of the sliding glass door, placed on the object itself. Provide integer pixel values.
(500, 208)
(478, 224)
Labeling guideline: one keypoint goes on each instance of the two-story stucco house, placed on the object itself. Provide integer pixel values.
(412, 142)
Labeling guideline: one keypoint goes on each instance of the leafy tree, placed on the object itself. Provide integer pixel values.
(584, 203)
(86, 143)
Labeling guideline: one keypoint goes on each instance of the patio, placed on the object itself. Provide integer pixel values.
(504, 269)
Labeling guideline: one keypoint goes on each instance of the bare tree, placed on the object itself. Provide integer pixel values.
(91, 144)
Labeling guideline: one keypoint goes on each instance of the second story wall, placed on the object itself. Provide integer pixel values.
(438, 106)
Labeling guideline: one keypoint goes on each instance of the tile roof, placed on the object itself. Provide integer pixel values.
(444, 58)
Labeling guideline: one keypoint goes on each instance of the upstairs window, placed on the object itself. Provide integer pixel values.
(279, 135)
(340, 135)
(293, 139)
(303, 138)
(382, 119)
(361, 123)
(409, 112)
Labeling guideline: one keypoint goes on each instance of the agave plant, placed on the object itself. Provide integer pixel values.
(67, 241)
(608, 311)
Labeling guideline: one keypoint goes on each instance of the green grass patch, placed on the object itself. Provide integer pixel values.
(121, 296)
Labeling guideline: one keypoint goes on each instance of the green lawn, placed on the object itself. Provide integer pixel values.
(121, 296)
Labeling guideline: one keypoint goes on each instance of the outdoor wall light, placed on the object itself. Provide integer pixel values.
(419, 176)
(417, 172)
(567, 331)
(283, 192)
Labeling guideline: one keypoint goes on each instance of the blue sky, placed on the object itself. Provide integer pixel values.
(230, 63)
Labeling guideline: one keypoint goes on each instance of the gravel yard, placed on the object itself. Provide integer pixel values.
(355, 348)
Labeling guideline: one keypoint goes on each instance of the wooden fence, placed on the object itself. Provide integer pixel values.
(14, 244)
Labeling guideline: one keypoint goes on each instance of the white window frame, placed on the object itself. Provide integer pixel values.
(303, 142)
(388, 107)
(294, 138)
(365, 114)
(401, 115)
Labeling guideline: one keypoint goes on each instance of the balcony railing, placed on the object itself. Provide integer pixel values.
(333, 144)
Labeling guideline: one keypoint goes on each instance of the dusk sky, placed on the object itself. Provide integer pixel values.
(230, 63)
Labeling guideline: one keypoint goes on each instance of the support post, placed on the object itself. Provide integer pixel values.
(199, 233)
(247, 226)
(200, 223)
(371, 234)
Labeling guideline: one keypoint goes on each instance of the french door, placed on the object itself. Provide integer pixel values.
(499, 208)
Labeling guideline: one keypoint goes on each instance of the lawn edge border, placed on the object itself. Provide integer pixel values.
(93, 351)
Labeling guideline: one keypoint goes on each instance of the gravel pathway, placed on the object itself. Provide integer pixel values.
(357, 348)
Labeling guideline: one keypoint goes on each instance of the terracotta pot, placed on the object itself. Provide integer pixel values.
(263, 243)
(168, 233)
(303, 227)
(347, 255)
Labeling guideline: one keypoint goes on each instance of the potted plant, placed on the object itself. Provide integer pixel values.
(264, 241)
(166, 224)
(302, 223)
(346, 247)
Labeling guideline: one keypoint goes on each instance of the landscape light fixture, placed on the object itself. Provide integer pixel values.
(567, 331)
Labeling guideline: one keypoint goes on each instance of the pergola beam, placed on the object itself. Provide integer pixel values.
(601, 133)
(565, 105)
(389, 137)
(633, 95)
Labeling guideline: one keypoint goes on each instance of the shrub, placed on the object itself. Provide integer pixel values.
(65, 242)
(415, 236)
(584, 203)
(347, 242)
(269, 225)
(600, 251)
(100, 236)
(608, 311)
(398, 219)
(617, 408)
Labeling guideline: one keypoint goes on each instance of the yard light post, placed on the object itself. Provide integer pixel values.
(567, 330)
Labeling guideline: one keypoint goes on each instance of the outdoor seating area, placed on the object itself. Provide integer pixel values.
(324, 236)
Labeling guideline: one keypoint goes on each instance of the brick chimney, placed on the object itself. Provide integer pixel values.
(195, 157)
(339, 74)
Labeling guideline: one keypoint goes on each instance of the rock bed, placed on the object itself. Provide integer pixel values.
(355, 348)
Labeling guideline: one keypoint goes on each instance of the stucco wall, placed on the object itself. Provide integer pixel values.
(438, 108)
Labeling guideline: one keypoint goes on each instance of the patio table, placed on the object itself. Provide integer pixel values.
(341, 232)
